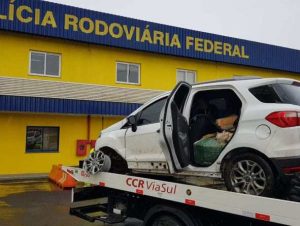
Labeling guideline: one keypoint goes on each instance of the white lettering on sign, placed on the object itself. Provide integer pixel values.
(151, 185)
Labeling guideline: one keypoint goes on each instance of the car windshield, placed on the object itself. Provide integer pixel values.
(278, 93)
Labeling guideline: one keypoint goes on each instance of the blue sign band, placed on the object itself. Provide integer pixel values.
(60, 21)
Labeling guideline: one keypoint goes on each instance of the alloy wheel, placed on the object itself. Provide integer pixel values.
(94, 163)
(248, 177)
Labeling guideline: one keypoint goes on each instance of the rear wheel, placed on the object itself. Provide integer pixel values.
(166, 220)
(249, 173)
(294, 192)
(164, 215)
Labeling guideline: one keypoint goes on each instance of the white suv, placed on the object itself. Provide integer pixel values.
(245, 131)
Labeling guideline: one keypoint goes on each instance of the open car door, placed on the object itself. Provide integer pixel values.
(175, 129)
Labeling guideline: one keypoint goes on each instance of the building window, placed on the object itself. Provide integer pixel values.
(42, 139)
(128, 73)
(45, 64)
(186, 76)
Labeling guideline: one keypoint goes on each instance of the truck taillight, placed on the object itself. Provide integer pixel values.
(284, 119)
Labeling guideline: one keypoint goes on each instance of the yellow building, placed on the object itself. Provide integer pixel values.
(66, 73)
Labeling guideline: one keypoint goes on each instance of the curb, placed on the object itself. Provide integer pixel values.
(4, 178)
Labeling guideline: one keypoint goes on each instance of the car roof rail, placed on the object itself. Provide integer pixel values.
(245, 77)
(234, 78)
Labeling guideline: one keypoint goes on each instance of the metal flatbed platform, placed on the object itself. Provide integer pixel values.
(252, 207)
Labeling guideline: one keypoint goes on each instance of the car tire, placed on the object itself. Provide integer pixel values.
(295, 191)
(118, 164)
(97, 162)
(296, 180)
(249, 173)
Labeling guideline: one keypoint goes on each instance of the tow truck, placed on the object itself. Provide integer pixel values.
(112, 198)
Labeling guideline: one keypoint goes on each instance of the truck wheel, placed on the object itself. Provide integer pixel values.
(166, 220)
(164, 215)
(249, 174)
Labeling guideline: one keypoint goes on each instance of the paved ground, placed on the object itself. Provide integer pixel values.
(39, 203)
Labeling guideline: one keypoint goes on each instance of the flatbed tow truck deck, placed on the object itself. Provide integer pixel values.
(160, 202)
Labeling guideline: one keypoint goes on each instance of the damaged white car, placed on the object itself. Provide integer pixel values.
(244, 131)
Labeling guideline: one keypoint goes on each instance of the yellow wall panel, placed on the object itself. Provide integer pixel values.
(15, 160)
(99, 123)
(88, 63)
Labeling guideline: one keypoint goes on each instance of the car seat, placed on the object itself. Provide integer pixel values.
(203, 122)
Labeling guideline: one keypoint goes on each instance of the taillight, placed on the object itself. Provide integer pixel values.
(284, 119)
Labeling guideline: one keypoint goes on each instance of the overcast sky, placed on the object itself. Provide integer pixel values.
(269, 21)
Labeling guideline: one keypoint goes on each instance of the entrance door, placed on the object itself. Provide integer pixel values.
(175, 129)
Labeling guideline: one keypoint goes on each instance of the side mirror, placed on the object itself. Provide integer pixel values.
(132, 122)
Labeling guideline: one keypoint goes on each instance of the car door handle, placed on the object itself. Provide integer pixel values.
(169, 125)
(158, 131)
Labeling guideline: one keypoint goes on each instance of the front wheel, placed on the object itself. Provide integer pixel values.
(97, 162)
(249, 174)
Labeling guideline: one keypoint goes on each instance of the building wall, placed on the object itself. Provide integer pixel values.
(91, 64)
(87, 63)
(15, 160)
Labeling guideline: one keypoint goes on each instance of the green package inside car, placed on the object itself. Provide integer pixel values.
(207, 150)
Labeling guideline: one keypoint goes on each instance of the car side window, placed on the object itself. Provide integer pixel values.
(266, 94)
(151, 113)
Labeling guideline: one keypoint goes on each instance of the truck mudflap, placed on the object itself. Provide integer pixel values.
(92, 204)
